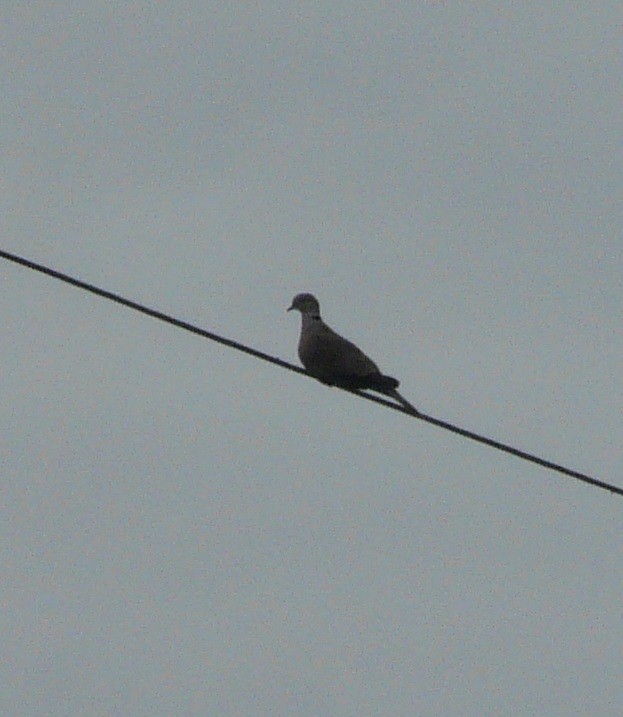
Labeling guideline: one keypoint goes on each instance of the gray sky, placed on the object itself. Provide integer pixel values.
(188, 531)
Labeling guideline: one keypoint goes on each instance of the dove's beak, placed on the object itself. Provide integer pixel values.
(290, 309)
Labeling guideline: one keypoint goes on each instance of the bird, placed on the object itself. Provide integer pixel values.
(334, 360)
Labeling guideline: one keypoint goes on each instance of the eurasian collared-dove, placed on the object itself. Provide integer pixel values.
(335, 361)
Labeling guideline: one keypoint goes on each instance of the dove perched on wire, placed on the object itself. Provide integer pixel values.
(334, 360)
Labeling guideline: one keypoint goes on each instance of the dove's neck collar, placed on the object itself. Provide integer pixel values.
(311, 315)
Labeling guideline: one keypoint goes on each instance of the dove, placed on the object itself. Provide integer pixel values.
(334, 360)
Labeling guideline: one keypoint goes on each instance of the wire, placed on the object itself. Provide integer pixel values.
(297, 369)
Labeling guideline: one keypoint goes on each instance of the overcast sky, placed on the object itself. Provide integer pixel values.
(189, 531)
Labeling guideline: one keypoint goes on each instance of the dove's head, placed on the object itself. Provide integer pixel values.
(306, 304)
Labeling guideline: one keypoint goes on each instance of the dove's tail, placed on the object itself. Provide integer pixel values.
(379, 382)
(387, 385)
(402, 401)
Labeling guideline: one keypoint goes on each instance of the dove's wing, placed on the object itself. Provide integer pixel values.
(324, 352)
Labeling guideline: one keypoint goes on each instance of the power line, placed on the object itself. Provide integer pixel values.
(297, 369)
